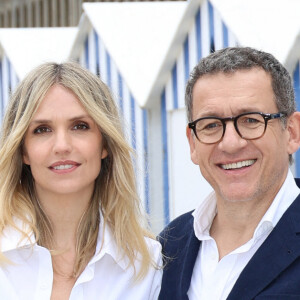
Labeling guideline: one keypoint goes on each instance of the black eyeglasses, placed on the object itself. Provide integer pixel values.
(249, 126)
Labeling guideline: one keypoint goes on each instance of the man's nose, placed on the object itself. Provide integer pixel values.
(231, 141)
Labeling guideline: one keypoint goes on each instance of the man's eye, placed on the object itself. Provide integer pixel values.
(211, 126)
(251, 120)
(41, 130)
(81, 126)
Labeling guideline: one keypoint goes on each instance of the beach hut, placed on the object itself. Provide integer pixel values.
(22, 49)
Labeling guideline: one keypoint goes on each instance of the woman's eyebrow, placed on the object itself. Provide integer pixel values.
(40, 121)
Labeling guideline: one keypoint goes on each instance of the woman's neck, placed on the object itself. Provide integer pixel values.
(65, 213)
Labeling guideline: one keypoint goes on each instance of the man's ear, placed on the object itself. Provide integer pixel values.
(293, 127)
(191, 139)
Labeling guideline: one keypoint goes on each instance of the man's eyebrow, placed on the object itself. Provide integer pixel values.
(239, 111)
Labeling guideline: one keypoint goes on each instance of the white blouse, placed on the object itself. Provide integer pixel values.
(105, 277)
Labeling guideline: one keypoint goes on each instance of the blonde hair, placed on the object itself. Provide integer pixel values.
(115, 188)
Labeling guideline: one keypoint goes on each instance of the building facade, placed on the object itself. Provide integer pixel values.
(43, 13)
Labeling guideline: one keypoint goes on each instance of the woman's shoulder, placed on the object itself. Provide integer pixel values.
(16, 237)
(153, 244)
(155, 249)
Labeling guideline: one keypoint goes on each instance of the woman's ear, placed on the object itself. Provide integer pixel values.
(25, 157)
(104, 153)
(293, 127)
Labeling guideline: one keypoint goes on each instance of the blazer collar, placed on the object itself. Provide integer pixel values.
(278, 251)
(191, 251)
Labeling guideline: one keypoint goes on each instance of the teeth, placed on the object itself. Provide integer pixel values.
(237, 165)
(63, 167)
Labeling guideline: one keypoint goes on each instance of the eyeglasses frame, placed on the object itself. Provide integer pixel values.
(267, 117)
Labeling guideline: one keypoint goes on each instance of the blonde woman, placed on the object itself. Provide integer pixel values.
(70, 220)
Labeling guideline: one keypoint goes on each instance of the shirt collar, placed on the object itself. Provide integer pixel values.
(204, 215)
(284, 198)
(206, 211)
(106, 245)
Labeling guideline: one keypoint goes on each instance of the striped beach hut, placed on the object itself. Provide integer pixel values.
(145, 52)
(126, 44)
(211, 25)
(272, 26)
(22, 49)
(203, 31)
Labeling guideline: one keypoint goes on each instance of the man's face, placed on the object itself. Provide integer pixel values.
(226, 95)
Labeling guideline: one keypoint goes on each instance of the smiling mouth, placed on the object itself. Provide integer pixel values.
(63, 167)
(239, 164)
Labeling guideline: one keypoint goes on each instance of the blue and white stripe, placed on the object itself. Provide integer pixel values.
(296, 79)
(97, 59)
(8, 82)
(207, 34)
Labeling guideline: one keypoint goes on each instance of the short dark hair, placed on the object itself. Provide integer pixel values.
(232, 59)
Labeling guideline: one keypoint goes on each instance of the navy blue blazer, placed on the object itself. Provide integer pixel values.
(272, 273)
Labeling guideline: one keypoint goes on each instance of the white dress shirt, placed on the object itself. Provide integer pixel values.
(214, 279)
(105, 277)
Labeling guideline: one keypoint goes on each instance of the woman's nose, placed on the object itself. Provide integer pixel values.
(62, 142)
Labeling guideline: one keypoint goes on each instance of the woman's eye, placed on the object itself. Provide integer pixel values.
(40, 130)
(81, 126)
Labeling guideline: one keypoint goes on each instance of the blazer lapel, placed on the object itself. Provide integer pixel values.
(278, 251)
(190, 254)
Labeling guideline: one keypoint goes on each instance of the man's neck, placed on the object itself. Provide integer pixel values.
(235, 223)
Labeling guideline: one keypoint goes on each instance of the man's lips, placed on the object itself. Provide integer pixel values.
(64, 165)
(238, 164)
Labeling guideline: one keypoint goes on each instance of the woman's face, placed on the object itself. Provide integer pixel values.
(63, 146)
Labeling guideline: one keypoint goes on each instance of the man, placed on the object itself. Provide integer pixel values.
(243, 241)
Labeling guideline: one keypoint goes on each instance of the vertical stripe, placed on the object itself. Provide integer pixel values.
(86, 53)
(9, 81)
(97, 53)
(127, 111)
(181, 80)
(120, 92)
(14, 79)
(296, 78)
(92, 52)
(192, 47)
(225, 35)
(114, 82)
(174, 81)
(108, 70)
(139, 133)
(211, 27)
(133, 131)
(103, 63)
(205, 30)
(169, 94)
(165, 158)
(186, 59)
(297, 84)
(198, 35)
(218, 30)
(6, 80)
(146, 173)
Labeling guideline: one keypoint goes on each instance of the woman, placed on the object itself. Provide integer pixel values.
(70, 220)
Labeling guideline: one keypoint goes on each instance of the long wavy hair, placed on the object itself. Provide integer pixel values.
(115, 192)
